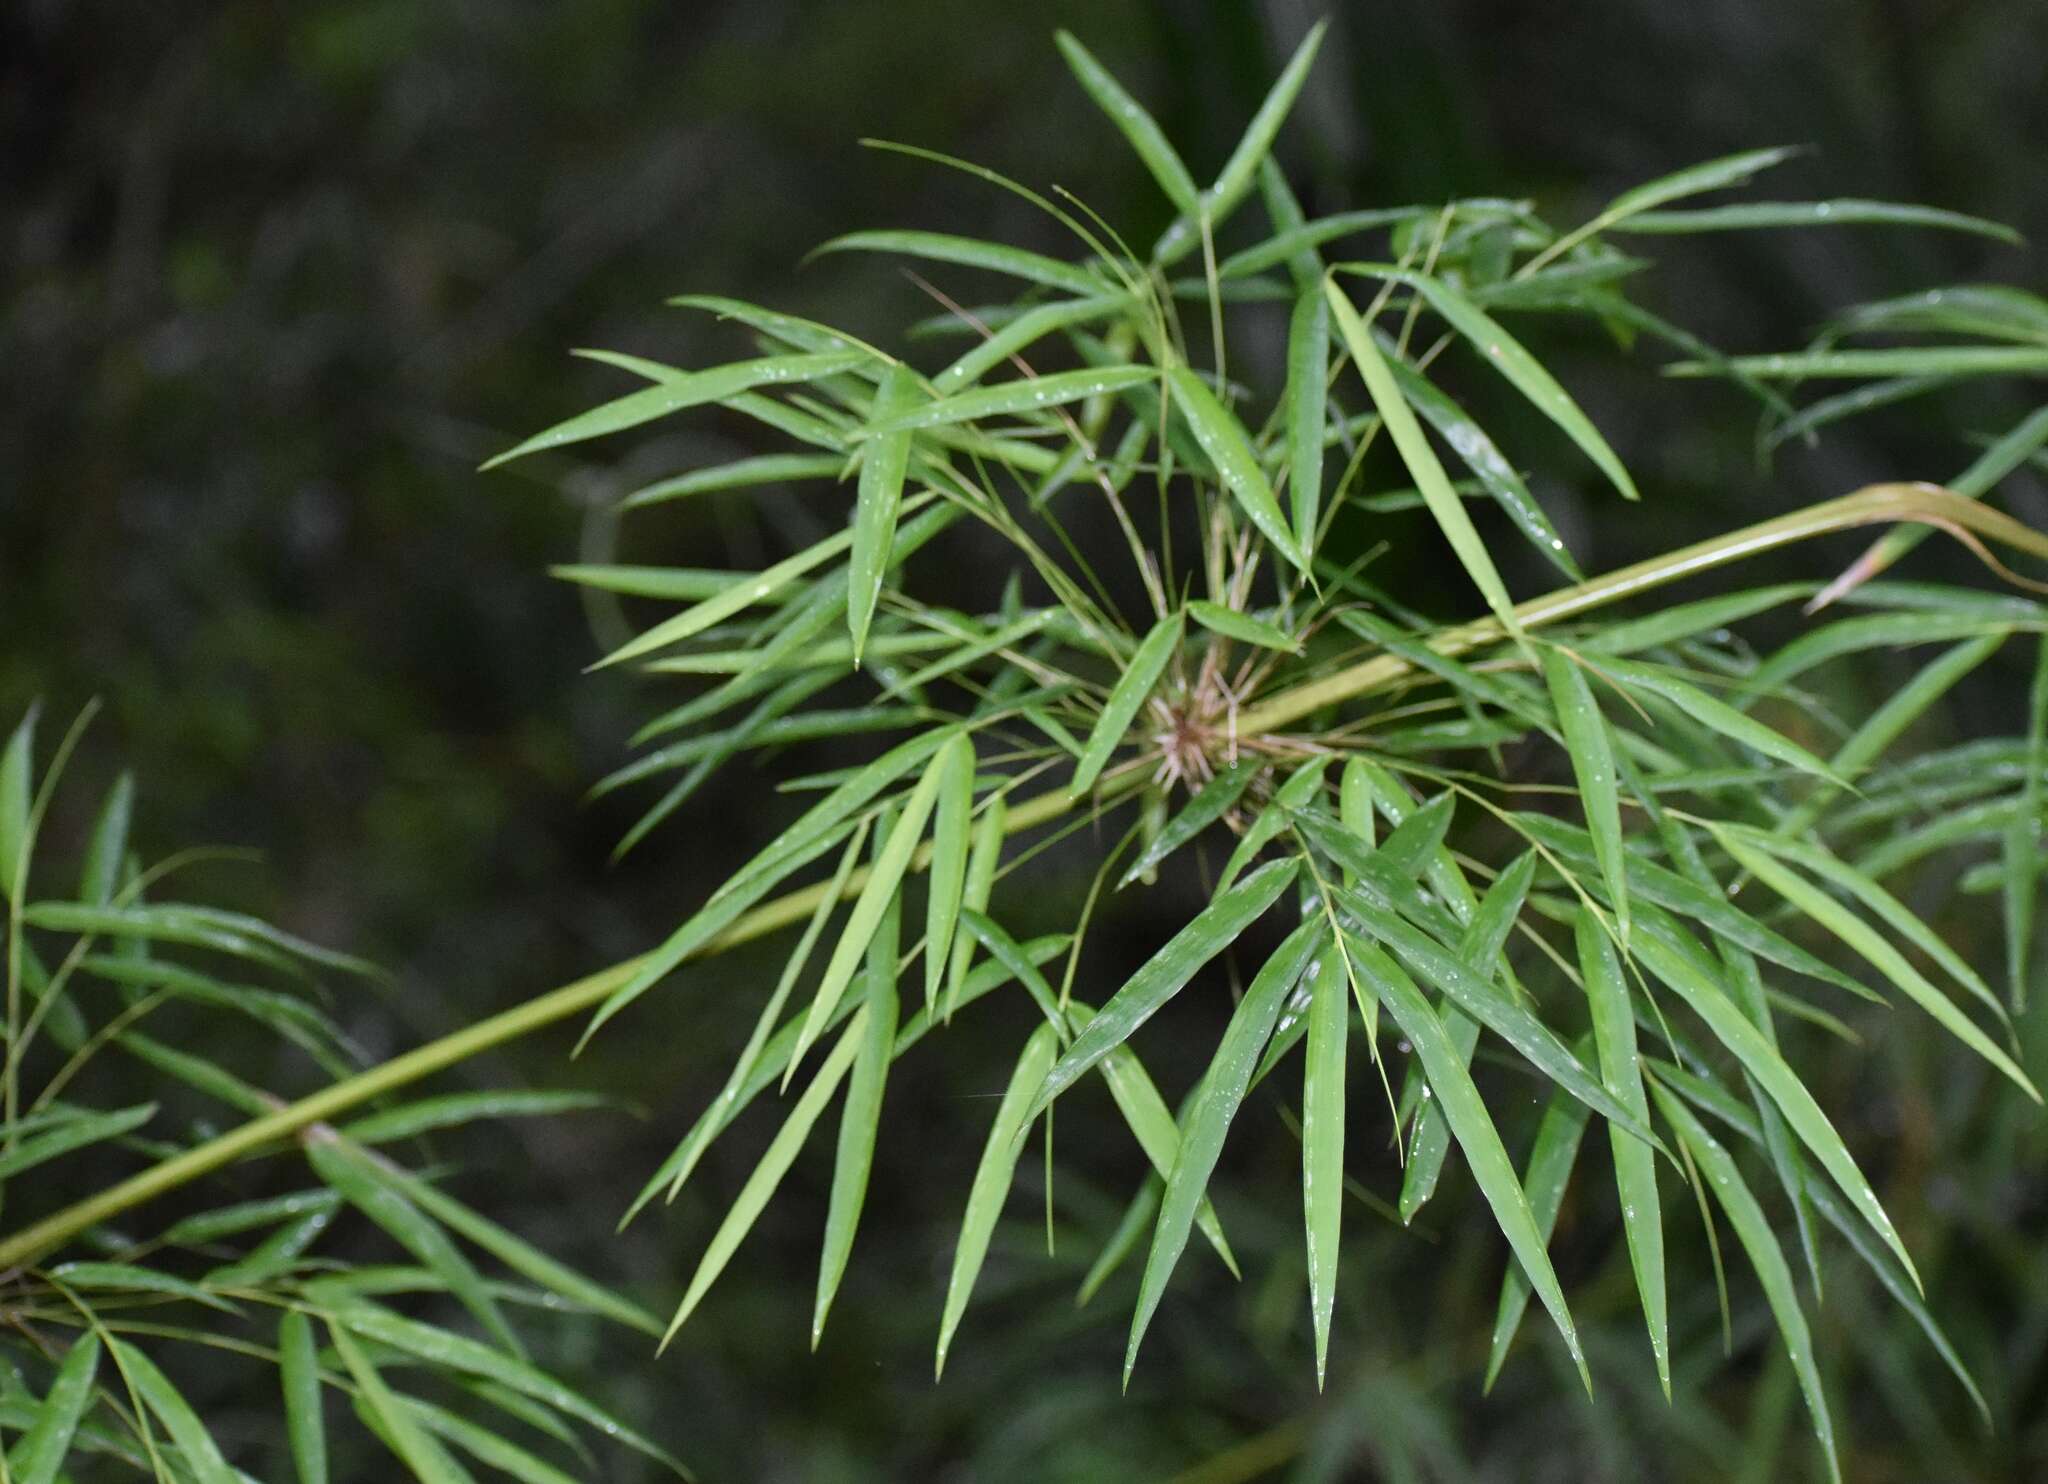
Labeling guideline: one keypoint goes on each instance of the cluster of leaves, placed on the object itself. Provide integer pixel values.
(1568, 841)
(96, 1346)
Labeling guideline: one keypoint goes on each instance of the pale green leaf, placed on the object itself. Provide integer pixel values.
(1147, 663)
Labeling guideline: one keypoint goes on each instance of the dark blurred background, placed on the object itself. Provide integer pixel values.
(279, 277)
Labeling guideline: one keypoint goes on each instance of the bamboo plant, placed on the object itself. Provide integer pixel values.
(1588, 837)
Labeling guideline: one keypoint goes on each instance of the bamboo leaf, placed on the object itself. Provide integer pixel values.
(1014, 398)
(298, 1370)
(1635, 1167)
(40, 1453)
(1734, 1031)
(1322, 1139)
(684, 390)
(1125, 698)
(1753, 1230)
(1473, 1128)
(1214, 929)
(1544, 1180)
(1585, 738)
(1216, 799)
(951, 825)
(1421, 459)
(1719, 716)
(427, 1460)
(774, 1164)
(860, 1117)
(884, 462)
(983, 857)
(16, 787)
(1208, 1121)
(1135, 124)
(1841, 212)
(1222, 439)
(107, 849)
(992, 1183)
(1308, 366)
(970, 252)
(201, 1453)
(1244, 628)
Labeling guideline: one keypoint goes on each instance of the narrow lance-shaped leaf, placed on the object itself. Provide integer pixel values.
(1423, 465)
(1693, 180)
(1131, 119)
(969, 252)
(2022, 844)
(1523, 371)
(885, 460)
(1308, 366)
(392, 1420)
(201, 1454)
(1152, 1124)
(1322, 1139)
(1222, 438)
(683, 390)
(1753, 1230)
(1473, 1128)
(15, 787)
(983, 858)
(774, 1164)
(1214, 929)
(1734, 1031)
(861, 1115)
(1549, 1171)
(41, 1452)
(951, 826)
(1015, 398)
(1208, 1121)
(108, 846)
(1635, 1166)
(1243, 627)
(1719, 716)
(883, 879)
(1215, 799)
(1585, 738)
(992, 1183)
(298, 1369)
(1125, 699)
(1841, 212)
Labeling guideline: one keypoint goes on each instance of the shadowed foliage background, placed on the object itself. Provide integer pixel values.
(278, 278)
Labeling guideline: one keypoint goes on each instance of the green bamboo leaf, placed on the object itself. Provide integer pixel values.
(1322, 1139)
(367, 1185)
(1301, 789)
(1214, 929)
(76, 1133)
(1243, 627)
(1013, 956)
(107, 848)
(454, 1109)
(860, 1116)
(1152, 1124)
(298, 1370)
(43, 1447)
(1635, 1168)
(393, 1422)
(1147, 663)
(2021, 848)
(1241, 169)
(1305, 237)
(884, 462)
(1421, 459)
(774, 1164)
(1025, 330)
(1308, 367)
(769, 468)
(683, 390)
(1222, 439)
(1708, 175)
(1585, 738)
(1762, 1062)
(483, 1445)
(16, 787)
(1687, 620)
(1756, 857)
(201, 1453)
(970, 252)
(1923, 360)
(1841, 212)
(952, 822)
(1014, 398)
(1208, 1121)
(1135, 124)
(1473, 1128)
(1488, 464)
(1472, 991)
(884, 878)
(1549, 1171)
(1753, 1230)
(1216, 799)
(983, 858)
(992, 1183)
(1523, 371)
(1484, 941)
(757, 587)
(1719, 716)
(1123, 1239)
(121, 1277)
